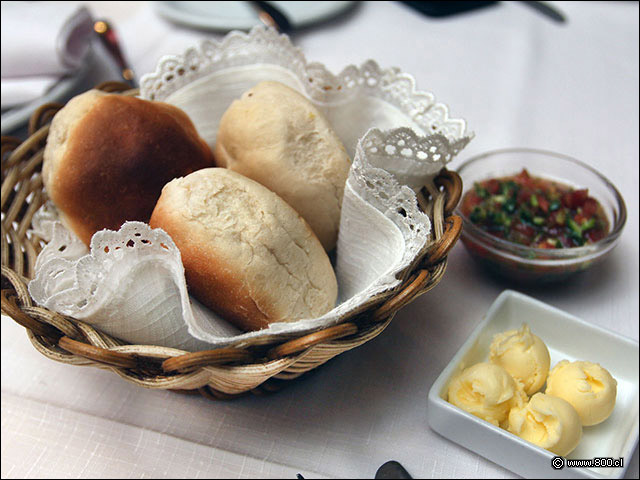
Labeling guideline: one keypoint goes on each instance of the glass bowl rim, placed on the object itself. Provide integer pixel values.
(561, 253)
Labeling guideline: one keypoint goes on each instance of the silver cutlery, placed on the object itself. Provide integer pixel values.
(109, 40)
(547, 10)
(272, 16)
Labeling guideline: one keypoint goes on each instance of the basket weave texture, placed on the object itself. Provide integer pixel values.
(217, 374)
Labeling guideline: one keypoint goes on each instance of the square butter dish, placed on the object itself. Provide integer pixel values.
(567, 337)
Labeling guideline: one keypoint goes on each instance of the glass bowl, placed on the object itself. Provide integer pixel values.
(528, 264)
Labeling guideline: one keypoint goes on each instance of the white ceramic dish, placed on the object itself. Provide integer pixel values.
(567, 337)
(242, 16)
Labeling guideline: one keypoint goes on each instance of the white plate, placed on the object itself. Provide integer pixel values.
(567, 337)
(242, 16)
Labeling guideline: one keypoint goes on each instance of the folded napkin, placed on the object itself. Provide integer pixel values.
(41, 43)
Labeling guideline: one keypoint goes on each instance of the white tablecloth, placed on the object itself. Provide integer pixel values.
(519, 80)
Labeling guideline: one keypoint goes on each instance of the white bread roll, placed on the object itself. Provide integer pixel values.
(277, 137)
(108, 156)
(247, 254)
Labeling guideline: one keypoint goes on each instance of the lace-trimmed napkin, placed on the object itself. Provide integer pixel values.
(131, 283)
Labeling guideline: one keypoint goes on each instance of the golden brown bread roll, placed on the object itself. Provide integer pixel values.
(277, 137)
(108, 156)
(247, 254)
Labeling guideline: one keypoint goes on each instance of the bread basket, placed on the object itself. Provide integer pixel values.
(217, 374)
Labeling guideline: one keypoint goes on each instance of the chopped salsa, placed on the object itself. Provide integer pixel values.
(535, 212)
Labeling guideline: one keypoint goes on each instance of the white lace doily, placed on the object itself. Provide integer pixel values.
(206, 79)
(131, 284)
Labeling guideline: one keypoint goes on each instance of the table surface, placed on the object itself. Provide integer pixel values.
(520, 80)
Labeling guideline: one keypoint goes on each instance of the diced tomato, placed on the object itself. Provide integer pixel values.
(545, 244)
(579, 197)
(525, 229)
(543, 203)
(493, 186)
(523, 178)
(575, 199)
(580, 218)
(594, 234)
(524, 195)
(471, 199)
(590, 207)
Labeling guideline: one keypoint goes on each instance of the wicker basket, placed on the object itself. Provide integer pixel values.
(218, 374)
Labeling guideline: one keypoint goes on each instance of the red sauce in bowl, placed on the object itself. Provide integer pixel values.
(535, 212)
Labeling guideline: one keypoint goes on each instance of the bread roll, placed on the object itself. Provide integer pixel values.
(247, 254)
(277, 137)
(108, 156)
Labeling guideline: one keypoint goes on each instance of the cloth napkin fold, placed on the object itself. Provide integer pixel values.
(41, 43)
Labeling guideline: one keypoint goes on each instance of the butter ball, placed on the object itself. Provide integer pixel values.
(549, 422)
(522, 354)
(486, 391)
(587, 386)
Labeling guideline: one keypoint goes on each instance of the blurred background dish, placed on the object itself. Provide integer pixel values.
(223, 16)
(527, 263)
